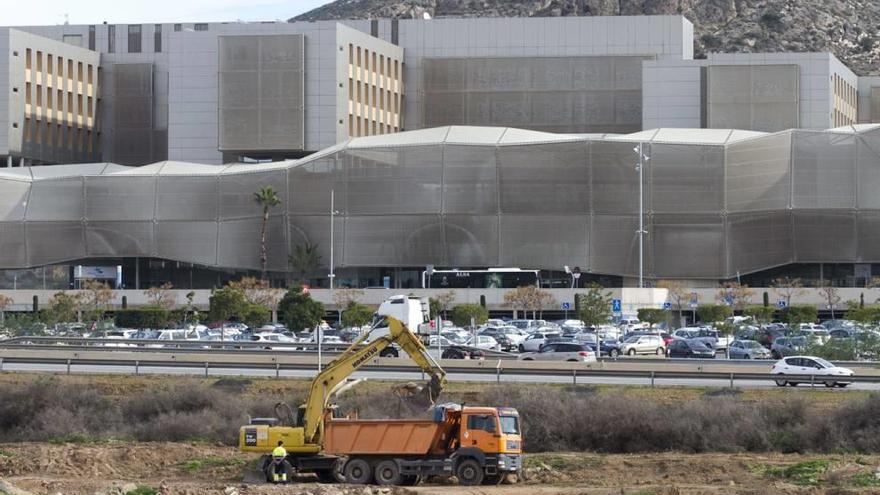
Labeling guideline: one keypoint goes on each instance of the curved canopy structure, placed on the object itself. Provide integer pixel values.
(717, 203)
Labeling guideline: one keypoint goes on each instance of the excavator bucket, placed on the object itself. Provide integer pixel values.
(420, 397)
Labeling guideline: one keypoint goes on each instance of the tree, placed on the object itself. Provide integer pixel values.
(95, 299)
(258, 292)
(161, 296)
(267, 198)
(226, 303)
(357, 315)
(343, 297)
(713, 313)
(529, 298)
(830, 294)
(299, 310)
(62, 307)
(677, 294)
(866, 315)
(304, 259)
(254, 315)
(5, 301)
(148, 317)
(797, 314)
(444, 300)
(652, 315)
(594, 306)
(761, 314)
(735, 294)
(787, 288)
(463, 313)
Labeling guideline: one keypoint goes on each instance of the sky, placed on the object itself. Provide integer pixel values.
(42, 12)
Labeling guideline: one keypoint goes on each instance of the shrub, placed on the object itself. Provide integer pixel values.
(463, 313)
(149, 317)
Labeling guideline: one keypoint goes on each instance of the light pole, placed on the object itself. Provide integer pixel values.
(640, 169)
(333, 213)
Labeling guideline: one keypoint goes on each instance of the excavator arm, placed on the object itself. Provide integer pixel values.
(355, 357)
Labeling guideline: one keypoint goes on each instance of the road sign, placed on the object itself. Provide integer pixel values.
(695, 300)
(615, 305)
(781, 304)
(667, 305)
(728, 299)
(566, 306)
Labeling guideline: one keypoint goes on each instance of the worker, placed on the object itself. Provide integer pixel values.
(279, 468)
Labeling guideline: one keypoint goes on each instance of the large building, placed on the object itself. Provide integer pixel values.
(519, 152)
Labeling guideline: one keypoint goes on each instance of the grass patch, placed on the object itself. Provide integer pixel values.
(808, 473)
(4, 453)
(143, 490)
(193, 465)
(866, 480)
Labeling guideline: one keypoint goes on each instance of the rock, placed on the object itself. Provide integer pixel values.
(127, 487)
(231, 490)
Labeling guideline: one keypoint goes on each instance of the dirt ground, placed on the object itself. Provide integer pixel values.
(192, 468)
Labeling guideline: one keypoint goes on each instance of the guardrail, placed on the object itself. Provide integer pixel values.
(206, 362)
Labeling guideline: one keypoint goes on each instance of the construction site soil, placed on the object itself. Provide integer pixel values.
(193, 468)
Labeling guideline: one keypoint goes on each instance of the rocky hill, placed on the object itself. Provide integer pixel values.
(848, 28)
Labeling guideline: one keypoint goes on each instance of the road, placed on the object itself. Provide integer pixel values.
(507, 377)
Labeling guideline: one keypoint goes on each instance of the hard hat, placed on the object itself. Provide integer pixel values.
(279, 452)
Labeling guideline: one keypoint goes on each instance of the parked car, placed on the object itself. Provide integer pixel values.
(607, 347)
(511, 333)
(748, 349)
(561, 351)
(788, 346)
(766, 336)
(643, 344)
(822, 370)
(630, 323)
(681, 348)
(484, 342)
(534, 341)
(667, 338)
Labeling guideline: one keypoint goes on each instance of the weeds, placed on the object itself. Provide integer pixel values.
(194, 465)
(866, 480)
(142, 490)
(807, 473)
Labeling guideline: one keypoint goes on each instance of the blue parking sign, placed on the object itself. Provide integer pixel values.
(566, 306)
(615, 305)
(667, 305)
(781, 304)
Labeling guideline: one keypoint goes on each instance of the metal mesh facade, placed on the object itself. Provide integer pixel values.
(717, 203)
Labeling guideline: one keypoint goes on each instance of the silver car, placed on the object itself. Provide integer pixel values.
(561, 351)
(748, 349)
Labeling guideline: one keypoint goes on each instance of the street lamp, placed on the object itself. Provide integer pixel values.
(333, 213)
(640, 169)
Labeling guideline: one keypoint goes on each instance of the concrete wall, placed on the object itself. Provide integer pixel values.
(869, 99)
(7, 60)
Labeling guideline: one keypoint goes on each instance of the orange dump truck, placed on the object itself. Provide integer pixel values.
(479, 445)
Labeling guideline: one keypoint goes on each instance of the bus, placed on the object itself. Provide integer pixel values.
(490, 278)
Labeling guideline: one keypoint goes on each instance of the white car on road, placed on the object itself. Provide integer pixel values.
(822, 370)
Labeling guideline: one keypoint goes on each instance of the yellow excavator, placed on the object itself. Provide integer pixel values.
(303, 436)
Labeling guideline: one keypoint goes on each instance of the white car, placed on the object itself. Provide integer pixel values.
(825, 372)
(484, 342)
(628, 324)
(643, 344)
(561, 351)
(533, 342)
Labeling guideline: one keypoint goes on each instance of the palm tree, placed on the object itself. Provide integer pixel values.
(267, 198)
(305, 258)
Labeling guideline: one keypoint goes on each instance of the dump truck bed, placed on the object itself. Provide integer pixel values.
(381, 437)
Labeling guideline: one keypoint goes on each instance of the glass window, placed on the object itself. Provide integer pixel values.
(92, 37)
(157, 38)
(481, 422)
(200, 27)
(134, 38)
(111, 39)
(510, 425)
(178, 27)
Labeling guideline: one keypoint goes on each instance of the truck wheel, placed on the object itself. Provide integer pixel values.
(388, 473)
(358, 472)
(389, 352)
(469, 473)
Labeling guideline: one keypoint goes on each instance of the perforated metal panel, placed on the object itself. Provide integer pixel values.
(310, 185)
(471, 240)
(119, 198)
(195, 242)
(470, 180)
(545, 240)
(615, 178)
(868, 166)
(13, 252)
(393, 181)
(825, 175)
(392, 240)
(51, 242)
(686, 179)
(758, 174)
(614, 245)
(15, 196)
(237, 193)
(261, 92)
(688, 245)
(239, 243)
(119, 239)
(556, 94)
(824, 236)
(187, 198)
(554, 176)
(759, 240)
(755, 97)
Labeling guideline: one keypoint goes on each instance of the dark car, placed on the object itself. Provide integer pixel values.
(766, 336)
(609, 348)
(681, 348)
(460, 352)
(788, 346)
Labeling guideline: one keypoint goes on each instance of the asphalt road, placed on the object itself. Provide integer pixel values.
(507, 377)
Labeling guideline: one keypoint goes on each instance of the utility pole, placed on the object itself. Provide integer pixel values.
(333, 214)
(640, 169)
